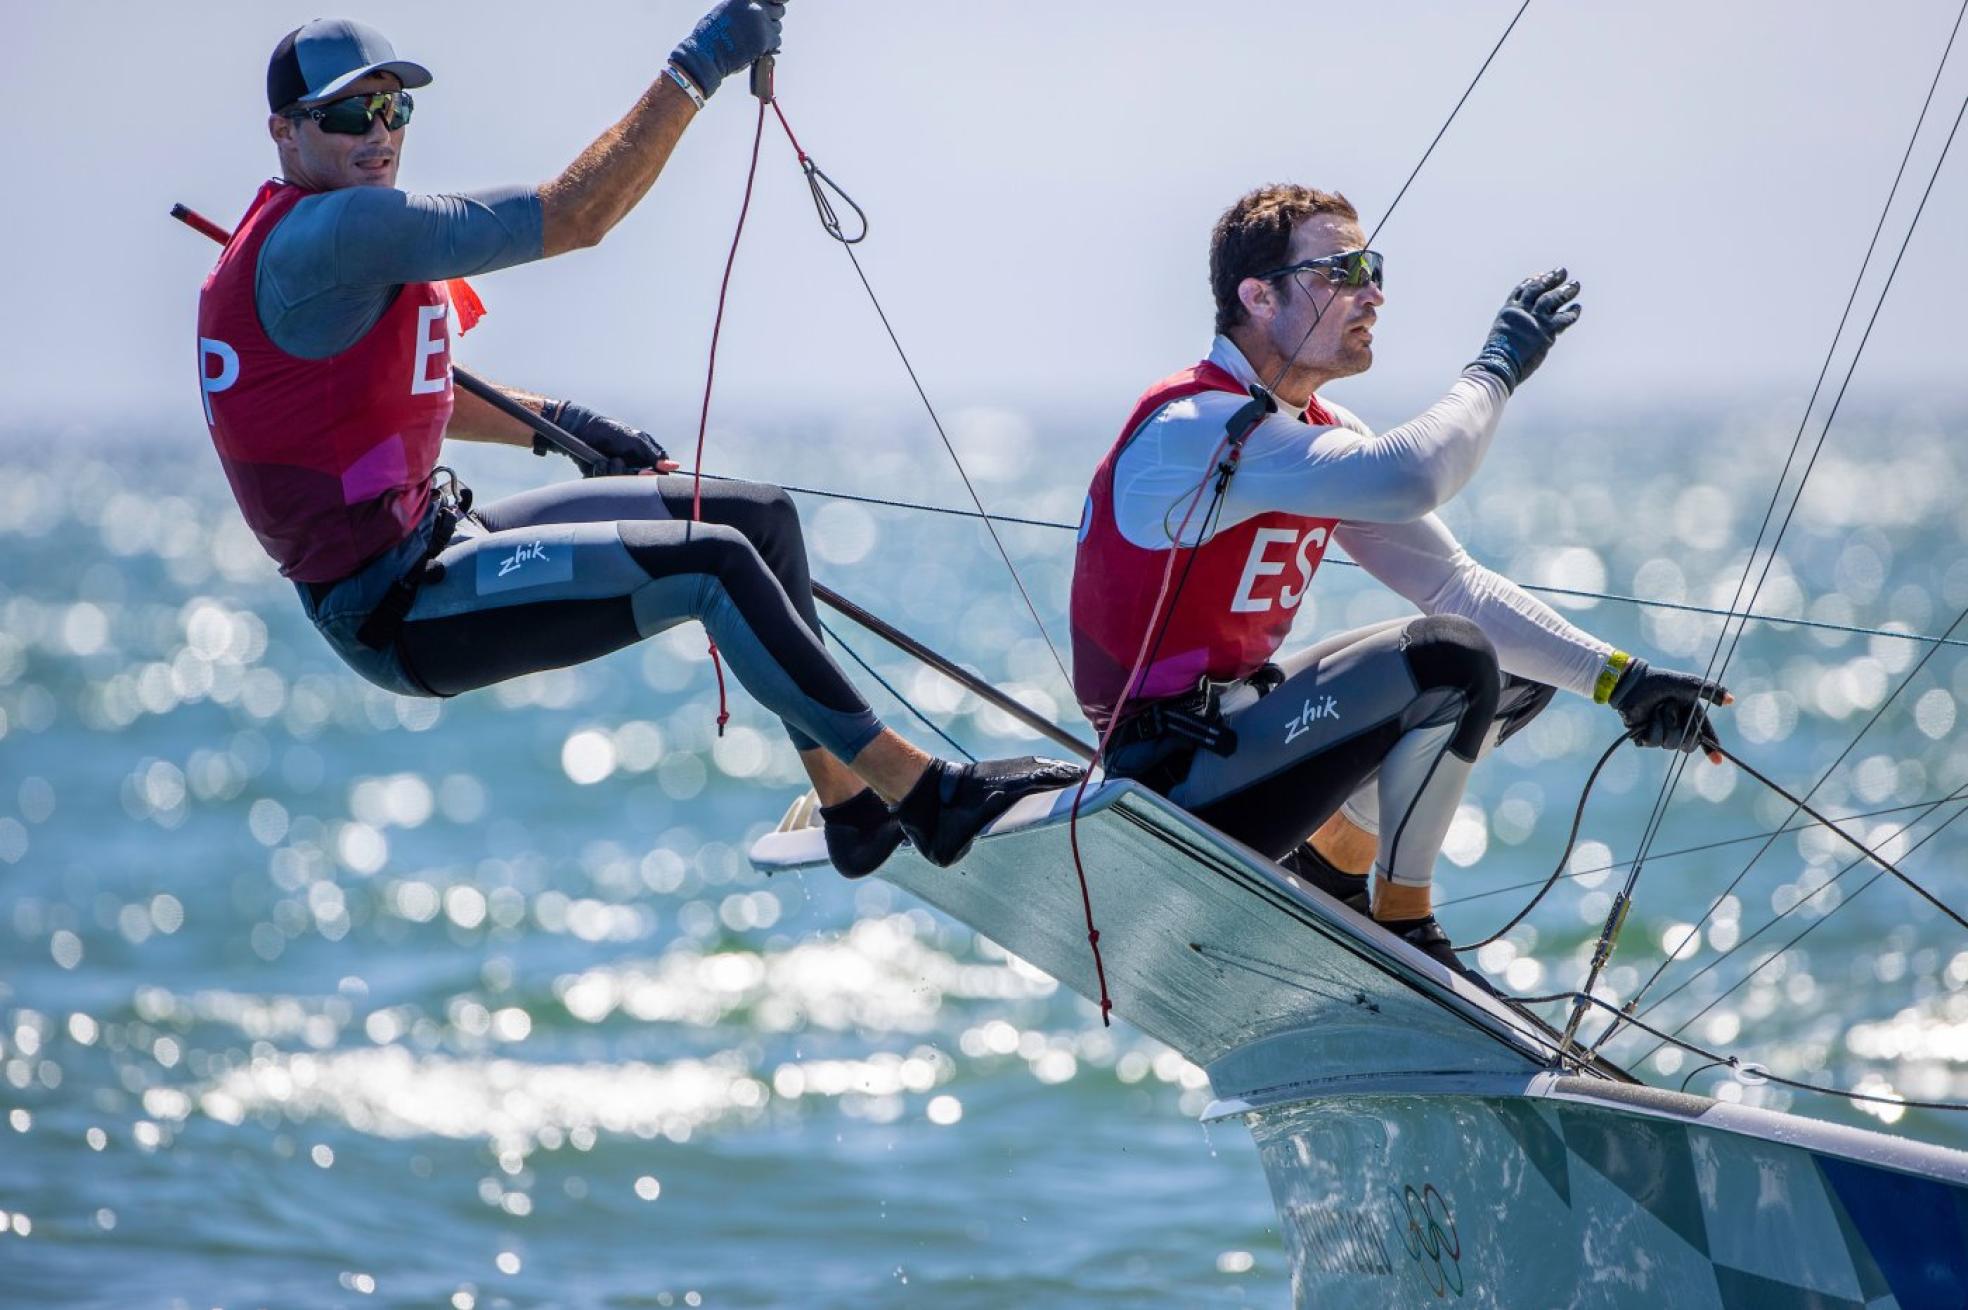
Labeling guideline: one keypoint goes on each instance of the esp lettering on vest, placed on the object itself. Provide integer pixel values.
(208, 381)
(1264, 570)
(432, 341)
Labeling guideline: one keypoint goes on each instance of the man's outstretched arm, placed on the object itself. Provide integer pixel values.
(1424, 562)
(599, 188)
(330, 268)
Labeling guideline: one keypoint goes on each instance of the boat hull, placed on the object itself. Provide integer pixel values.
(1421, 1146)
(1537, 1200)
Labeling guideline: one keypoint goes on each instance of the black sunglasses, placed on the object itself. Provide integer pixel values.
(352, 115)
(1350, 268)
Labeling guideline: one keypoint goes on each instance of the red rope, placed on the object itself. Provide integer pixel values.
(1128, 689)
(710, 376)
(803, 158)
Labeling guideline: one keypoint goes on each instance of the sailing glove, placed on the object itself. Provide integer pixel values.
(1537, 311)
(1664, 708)
(623, 449)
(730, 38)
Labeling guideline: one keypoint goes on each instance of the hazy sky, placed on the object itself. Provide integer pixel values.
(1041, 180)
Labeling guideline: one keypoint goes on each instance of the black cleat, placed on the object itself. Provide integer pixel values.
(951, 803)
(1349, 889)
(861, 834)
(1425, 935)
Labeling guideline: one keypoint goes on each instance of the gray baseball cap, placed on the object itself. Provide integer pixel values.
(319, 60)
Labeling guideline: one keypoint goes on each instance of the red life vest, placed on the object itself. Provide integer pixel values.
(1231, 614)
(329, 459)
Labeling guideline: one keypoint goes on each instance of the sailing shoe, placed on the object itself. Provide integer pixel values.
(1425, 935)
(860, 833)
(1349, 889)
(951, 803)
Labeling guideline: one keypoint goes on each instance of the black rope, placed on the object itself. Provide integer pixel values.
(904, 701)
(1884, 863)
(1571, 839)
(1700, 1068)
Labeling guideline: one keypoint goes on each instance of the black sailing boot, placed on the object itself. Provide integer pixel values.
(951, 803)
(1349, 889)
(860, 833)
(1425, 935)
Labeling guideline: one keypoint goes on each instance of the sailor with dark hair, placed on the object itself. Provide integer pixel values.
(1208, 519)
(324, 342)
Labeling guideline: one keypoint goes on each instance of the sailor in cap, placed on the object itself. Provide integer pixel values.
(324, 344)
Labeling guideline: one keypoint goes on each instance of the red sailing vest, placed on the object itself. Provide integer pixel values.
(1233, 611)
(329, 459)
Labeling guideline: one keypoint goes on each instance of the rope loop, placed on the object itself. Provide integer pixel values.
(820, 184)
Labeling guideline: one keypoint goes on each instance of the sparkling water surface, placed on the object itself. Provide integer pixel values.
(312, 995)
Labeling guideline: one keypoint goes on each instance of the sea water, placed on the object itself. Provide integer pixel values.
(313, 995)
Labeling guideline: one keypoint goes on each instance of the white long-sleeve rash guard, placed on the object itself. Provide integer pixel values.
(1383, 490)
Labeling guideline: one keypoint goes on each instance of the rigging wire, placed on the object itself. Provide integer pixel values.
(1622, 902)
(1291, 975)
(1797, 804)
(1801, 935)
(1507, 888)
(1672, 777)
(1340, 561)
(831, 223)
(1443, 130)
(888, 687)
(1736, 1062)
(1958, 794)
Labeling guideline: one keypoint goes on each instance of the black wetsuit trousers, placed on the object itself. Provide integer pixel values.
(1392, 716)
(568, 572)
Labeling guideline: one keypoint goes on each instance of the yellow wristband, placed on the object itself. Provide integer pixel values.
(1609, 676)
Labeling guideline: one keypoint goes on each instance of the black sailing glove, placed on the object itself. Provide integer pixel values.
(623, 449)
(1537, 311)
(1658, 705)
(729, 38)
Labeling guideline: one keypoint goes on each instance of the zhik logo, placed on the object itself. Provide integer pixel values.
(1324, 707)
(533, 551)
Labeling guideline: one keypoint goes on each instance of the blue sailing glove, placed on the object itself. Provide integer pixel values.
(731, 37)
(623, 449)
(1537, 311)
(1659, 705)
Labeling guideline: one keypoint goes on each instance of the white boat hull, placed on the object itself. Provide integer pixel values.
(1420, 1147)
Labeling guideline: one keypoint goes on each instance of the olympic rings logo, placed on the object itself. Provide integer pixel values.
(1431, 1238)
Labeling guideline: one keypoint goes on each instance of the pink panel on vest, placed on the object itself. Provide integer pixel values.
(1172, 675)
(382, 467)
